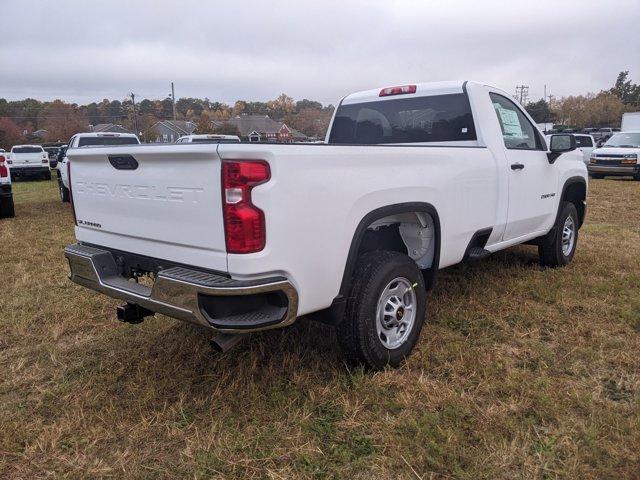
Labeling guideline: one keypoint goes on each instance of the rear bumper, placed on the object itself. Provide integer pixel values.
(614, 169)
(28, 171)
(204, 298)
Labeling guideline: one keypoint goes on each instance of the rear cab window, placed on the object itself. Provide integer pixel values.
(423, 119)
(94, 141)
(27, 150)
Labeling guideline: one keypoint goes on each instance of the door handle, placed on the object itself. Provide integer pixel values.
(517, 166)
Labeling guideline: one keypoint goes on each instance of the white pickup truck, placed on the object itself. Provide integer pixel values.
(29, 161)
(245, 237)
(90, 139)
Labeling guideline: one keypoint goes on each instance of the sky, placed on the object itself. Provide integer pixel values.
(87, 50)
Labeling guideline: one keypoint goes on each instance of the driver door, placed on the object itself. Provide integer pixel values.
(533, 181)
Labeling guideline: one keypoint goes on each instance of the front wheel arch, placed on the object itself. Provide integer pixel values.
(574, 190)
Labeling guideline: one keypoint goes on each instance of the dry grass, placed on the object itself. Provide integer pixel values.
(520, 373)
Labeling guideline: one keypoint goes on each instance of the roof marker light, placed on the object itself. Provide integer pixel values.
(404, 89)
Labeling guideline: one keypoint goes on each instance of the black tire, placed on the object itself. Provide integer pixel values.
(550, 249)
(64, 192)
(357, 333)
(47, 176)
(598, 176)
(6, 208)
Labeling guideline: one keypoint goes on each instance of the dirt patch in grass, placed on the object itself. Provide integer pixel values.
(520, 373)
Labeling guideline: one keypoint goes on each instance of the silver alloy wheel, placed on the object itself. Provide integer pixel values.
(396, 313)
(568, 235)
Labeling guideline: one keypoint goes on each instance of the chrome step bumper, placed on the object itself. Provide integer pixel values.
(183, 293)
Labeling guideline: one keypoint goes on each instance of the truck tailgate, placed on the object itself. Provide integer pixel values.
(162, 201)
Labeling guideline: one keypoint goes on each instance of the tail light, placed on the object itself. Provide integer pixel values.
(244, 223)
(73, 208)
(4, 171)
(404, 89)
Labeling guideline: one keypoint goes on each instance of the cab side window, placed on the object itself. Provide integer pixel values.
(517, 131)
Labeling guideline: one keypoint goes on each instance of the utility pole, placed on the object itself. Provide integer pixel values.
(522, 93)
(173, 99)
(135, 114)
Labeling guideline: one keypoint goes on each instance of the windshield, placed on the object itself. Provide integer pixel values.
(92, 141)
(624, 140)
(27, 150)
(583, 141)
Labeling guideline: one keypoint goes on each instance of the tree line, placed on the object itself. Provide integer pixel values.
(603, 109)
(19, 119)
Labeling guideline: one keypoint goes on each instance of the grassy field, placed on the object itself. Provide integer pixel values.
(520, 372)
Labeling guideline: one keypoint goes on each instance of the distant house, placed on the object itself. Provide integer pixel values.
(39, 133)
(109, 127)
(262, 128)
(168, 131)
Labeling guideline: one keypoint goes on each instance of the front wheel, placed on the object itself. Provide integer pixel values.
(559, 245)
(385, 310)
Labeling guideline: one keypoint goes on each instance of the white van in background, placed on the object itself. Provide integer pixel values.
(630, 122)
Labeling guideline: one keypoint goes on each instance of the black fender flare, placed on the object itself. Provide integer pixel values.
(334, 313)
(572, 181)
(377, 214)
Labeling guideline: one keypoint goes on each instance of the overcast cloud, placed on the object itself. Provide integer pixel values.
(85, 51)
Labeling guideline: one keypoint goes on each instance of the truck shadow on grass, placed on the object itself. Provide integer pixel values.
(162, 348)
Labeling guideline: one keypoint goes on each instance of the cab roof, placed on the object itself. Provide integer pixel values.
(421, 90)
(104, 134)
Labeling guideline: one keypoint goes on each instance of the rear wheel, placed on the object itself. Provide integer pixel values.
(557, 248)
(6, 207)
(385, 311)
(47, 176)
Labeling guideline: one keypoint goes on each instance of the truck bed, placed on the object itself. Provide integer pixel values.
(170, 207)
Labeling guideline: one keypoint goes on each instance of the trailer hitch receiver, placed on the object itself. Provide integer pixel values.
(132, 313)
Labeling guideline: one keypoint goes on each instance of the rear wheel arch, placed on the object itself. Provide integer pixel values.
(380, 213)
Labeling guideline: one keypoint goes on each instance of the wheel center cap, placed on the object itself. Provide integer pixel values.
(400, 313)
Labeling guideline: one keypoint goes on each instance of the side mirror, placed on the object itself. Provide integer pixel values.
(559, 144)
